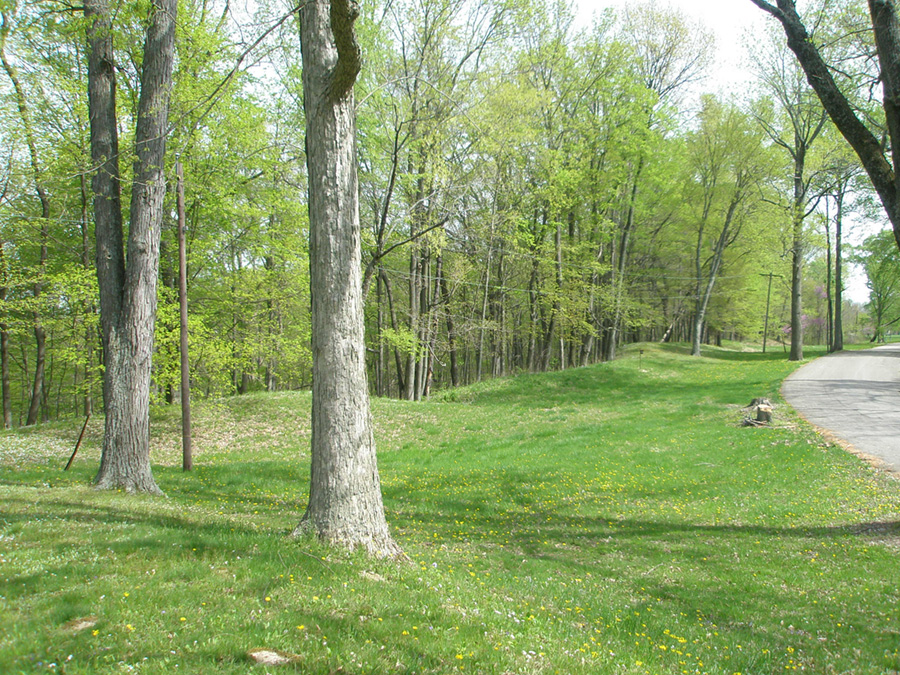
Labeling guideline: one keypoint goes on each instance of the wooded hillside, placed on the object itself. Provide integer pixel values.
(533, 194)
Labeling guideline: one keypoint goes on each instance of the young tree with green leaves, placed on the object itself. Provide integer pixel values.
(880, 260)
(670, 54)
(797, 122)
(727, 161)
(38, 392)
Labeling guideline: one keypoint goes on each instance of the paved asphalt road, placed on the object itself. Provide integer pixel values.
(854, 395)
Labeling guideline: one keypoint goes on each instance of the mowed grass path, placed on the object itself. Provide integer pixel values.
(612, 519)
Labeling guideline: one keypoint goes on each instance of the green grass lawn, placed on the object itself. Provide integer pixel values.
(611, 519)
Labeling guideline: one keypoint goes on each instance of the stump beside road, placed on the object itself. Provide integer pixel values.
(763, 408)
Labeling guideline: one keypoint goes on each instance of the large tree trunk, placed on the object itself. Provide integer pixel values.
(345, 504)
(106, 190)
(128, 293)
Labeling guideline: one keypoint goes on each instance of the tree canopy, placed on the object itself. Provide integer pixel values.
(533, 192)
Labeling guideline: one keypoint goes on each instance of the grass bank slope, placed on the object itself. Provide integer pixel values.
(611, 519)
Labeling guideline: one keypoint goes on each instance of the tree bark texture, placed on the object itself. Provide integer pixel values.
(345, 504)
(128, 290)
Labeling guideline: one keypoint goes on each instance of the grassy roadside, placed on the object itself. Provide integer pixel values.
(613, 519)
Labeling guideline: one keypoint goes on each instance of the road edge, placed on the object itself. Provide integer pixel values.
(832, 437)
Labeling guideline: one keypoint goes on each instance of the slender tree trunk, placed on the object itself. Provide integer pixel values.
(5, 393)
(4, 343)
(433, 324)
(4, 370)
(422, 363)
(128, 292)
(451, 330)
(829, 299)
(619, 267)
(37, 389)
(186, 447)
(797, 252)
(534, 310)
(698, 284)
(379, 328)
(484, 304)
(415, 266)
(704, 295)
(88, 307)
(40, 360)
(345, 504)
(398, 362)
(502, 355)
(838, 332)
(590, 339)
(557, 304)
(168, 280)
(273, 324)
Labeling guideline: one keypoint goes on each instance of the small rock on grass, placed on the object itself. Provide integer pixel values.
(270, 657)
(80, 624)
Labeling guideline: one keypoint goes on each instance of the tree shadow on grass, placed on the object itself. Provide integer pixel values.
(531, 530)
(748, 579)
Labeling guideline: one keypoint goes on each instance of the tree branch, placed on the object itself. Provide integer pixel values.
(766, 7)
(857, 134)
(378, 257)
(343, 15)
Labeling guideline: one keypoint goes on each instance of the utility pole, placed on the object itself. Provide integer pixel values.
(768, 298)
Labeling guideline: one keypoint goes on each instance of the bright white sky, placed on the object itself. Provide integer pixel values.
(732, 22)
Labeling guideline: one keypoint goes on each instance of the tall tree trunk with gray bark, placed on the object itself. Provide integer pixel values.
(128, 285)
(345, 505)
